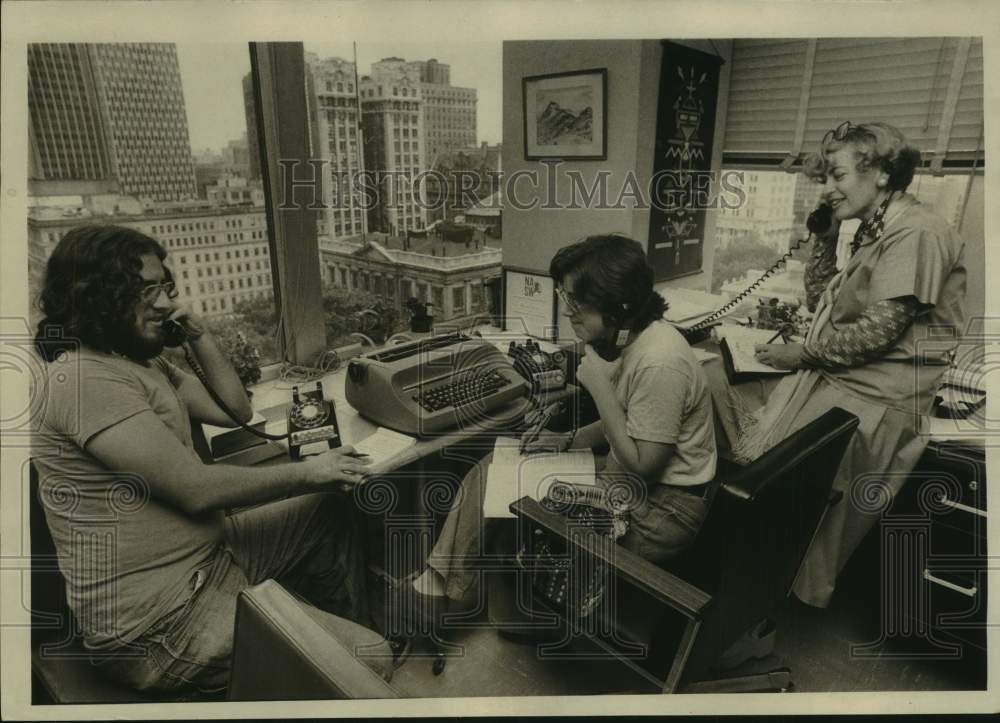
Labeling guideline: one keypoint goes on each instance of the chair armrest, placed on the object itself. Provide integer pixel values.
(663, 586)
(286, 649)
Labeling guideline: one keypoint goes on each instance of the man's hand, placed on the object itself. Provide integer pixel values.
(595, 373)
(779, 356)
(336, 468)
(194, 327)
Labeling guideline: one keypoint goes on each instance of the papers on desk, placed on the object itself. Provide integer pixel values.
(685, 312)
(512, 476)
(738, 354)
(384, 444)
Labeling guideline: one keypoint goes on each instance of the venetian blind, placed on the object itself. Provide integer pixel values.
(786, 93)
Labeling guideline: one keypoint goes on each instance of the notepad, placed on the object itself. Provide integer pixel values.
(512, 475)
(737, 344)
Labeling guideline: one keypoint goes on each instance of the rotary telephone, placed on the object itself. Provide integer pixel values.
(819, 223)
(542, 370)
(311, 418)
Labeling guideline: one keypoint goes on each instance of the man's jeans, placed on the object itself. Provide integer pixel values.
(311, 544)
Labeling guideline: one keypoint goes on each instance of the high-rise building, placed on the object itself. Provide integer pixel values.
(449, 111)
(335, 136)
(66, 135)
(766, 215)
(393, 148)
(110, 110)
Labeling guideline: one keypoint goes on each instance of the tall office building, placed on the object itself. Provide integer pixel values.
(767, 213)
(449, 112)
(110, 111)
(335, 135)
(66, 134)
(393, 148)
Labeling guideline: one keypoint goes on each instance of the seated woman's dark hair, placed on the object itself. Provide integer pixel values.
(614, 276)
(879, 145)
(92, 283)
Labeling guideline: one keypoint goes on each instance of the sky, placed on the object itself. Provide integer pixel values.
(212, 75)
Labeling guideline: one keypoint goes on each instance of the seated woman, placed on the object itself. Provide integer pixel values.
(655, 415)
(880, 341)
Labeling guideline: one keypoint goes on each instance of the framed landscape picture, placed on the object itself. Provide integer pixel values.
(565, 115)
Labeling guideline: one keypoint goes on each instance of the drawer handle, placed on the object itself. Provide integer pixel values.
(964, 508)
(967, 591)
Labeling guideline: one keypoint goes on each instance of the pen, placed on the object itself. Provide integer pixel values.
(543, 421)
(357, 455)
(780, 332)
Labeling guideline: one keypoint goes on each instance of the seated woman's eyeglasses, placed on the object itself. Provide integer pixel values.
(572, 305)
(839, 133)
(151, 292)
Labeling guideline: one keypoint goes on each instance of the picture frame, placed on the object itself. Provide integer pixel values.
(565, 115)
(529, 303)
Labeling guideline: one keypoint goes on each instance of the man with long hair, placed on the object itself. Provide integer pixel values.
(152, 563)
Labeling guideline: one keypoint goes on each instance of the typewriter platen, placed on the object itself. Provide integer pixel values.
(433, 386)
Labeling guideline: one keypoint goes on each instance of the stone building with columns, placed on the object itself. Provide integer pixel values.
(457, 285)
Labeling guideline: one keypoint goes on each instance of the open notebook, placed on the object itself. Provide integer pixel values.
(736, 343)
(512, 476)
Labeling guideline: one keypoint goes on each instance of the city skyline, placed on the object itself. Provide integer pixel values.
(212, 77)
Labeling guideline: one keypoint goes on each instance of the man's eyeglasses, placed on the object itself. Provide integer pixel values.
(151, 292)
(572, 305)
(840, 133)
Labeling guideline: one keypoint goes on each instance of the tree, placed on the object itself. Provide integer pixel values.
(734, 260)
(253, 325)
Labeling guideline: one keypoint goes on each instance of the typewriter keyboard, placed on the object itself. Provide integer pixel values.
(461, 392)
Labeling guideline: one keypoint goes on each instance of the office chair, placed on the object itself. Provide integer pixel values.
(667, 630)
(743, 562)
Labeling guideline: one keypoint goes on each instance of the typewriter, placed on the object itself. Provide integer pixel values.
(434, 385)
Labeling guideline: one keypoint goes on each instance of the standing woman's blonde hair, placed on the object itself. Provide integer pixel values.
(878, 145)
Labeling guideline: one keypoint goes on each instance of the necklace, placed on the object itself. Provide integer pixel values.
(871, 227)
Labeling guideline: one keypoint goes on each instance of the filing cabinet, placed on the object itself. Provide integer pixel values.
(939, 585)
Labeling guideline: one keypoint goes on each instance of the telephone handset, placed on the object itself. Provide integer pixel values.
(820, 222)
(174, 333)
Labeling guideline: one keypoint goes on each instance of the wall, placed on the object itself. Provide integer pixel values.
(532, 236)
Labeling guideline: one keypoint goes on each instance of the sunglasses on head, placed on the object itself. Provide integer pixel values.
(842, 132)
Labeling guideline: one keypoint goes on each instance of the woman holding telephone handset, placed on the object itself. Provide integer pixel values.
(655, 416)
(869, 349)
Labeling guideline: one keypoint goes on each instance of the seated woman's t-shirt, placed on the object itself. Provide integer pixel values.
(664, 392)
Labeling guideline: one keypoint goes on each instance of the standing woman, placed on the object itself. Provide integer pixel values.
(870, 349)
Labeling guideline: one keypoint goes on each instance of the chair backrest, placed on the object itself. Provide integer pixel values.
(285, 649)
(759, 526)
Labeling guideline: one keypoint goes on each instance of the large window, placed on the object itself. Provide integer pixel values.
(772, 218)
(159, 137)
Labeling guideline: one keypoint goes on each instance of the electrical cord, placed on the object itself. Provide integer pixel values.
(203, 378)
(736, 300)
(819, 222)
